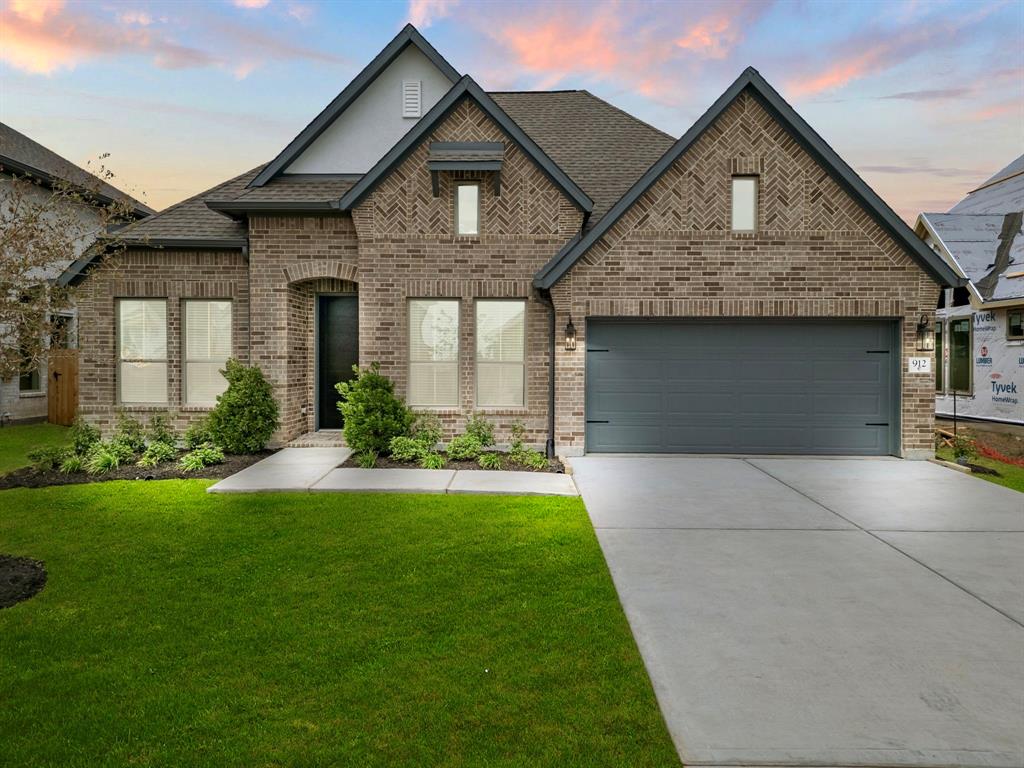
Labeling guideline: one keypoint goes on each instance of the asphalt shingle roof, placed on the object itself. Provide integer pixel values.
(23, 151)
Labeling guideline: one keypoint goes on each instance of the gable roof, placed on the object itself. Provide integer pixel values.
(408, 36)
(1002, 193)
(808, 139)
(21, 155)
(466, 87)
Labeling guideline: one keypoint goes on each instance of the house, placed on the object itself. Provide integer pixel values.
(979, 332)
(24, 398)
(540, 257)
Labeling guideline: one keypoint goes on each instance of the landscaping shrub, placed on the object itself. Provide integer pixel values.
(533, 459)
(123, 450)
(201, 457)
(129, 433)
(246, 414)
(158, 453)
(489, 461)
(373, 414)
(464, 447)
(160, 430)
(964, 449)
(83, 437)
(73, 464)
(103, 458)
(406, 449)
(198, 434)
(46, 458)
(432, 461)
(367, 460)
(522, 454)
(481, 429)
(426, 430)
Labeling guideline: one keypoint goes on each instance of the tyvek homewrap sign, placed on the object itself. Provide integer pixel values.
(998, 369)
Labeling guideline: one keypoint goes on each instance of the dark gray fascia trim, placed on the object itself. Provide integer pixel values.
(466, 87)
(551, 272)
(76, 271)
(464, 165)
(408, 36)
(242, 207)
(466, 146)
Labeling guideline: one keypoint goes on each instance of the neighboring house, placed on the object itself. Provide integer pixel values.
(979, 332)
(24, 398)
(739, 289)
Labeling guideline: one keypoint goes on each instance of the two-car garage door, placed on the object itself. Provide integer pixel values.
(811, 386)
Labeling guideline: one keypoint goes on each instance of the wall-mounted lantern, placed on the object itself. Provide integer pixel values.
(925, 335)
(570, 336)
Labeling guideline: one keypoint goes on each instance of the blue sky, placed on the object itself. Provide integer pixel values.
(924, 99)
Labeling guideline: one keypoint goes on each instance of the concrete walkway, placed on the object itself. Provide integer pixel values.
(317, 470)
(807, 612)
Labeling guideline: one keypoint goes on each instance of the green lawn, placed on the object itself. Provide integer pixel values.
(16, 441)
(1011, 475)
(183, 629)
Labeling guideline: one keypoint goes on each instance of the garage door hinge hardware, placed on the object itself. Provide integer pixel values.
(876, 424)
(878, 351)
(596, 421)
(596, 350)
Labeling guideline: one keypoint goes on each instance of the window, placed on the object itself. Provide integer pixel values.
(744, 203)
(142, 350)
(960, 355)
(62, 333)
(434, 352)
(207, 348)
(412, 98)
(938, 357)
(500, 353)
(1015, 324)
(29, 381)
(467, 209)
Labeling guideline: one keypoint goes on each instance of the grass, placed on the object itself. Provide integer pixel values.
(1010, 475)
(18, 440)
(182, 629)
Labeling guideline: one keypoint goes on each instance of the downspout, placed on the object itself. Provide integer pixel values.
(545, 298)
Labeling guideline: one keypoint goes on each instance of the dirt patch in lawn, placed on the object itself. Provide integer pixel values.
(20, 579)
(29, 478)
(385, 462)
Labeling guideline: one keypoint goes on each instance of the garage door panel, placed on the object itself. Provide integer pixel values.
(737, 386)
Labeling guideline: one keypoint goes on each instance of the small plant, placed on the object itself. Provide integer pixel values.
(367, 460)
(129, 433)
(73, 464)
(198, 434)
(373, 413)
(124, 450)
(102, 459)
(157, 453)
(532, 459)
(406, 449)
(464, 447)
(201, 457)
(432, 461)
(481, 429)
(83, 437)
(964, 449)
(160, 431)
(46, 458)
(426, 430)
(246, 413)
(489, 461)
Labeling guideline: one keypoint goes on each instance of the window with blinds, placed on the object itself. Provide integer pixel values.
(207, 348)
(433, 352)
(412, 98)
(500, 354)
(142, 350)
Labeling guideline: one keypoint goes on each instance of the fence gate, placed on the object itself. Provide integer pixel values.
(62, 386)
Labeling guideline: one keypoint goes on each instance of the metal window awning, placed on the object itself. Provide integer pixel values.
(466, 156)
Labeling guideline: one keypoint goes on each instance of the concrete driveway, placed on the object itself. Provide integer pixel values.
(820, 612)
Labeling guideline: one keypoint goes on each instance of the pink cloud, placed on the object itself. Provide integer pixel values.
(250, 3)
(423, 13)
(301, 12)
(712, 38)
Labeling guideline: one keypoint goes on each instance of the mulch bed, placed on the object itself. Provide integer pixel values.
(385, 462)
(29, 478)
(20, 579)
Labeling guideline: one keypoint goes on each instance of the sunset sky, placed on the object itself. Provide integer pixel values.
(923, 99)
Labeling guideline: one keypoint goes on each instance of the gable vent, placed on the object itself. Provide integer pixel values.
(412, 98)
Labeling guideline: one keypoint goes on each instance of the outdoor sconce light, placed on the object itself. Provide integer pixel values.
(925, 336)
(570, 336)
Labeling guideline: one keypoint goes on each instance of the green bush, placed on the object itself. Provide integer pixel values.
(373, 414)
(367, 460)
(426, 430)
(406, 449)
(129, 433)
(46, 458)
(481, 429)
(158, 453)
(102, 459)
(246, 413)
(124, 450)
(964, 448)
(432, 461)
(198, 434)
(532, 459)
(489, 461)
(160, 430)
(83, 437)
(201, 457)
(464, 447)
(73, 464)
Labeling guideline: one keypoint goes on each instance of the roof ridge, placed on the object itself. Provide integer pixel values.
(630, 115)
(553, 90)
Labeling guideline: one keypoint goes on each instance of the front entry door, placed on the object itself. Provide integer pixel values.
(337, 351)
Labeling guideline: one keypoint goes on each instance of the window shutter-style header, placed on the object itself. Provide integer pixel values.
(412, 98)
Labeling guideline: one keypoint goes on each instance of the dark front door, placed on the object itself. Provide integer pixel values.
(336, 352)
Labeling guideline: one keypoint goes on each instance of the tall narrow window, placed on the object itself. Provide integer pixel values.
(938, 357)
(500, 353)
(434, 352)
(744, 203)
(29, 381)
(1015, 324)
(207, 348)
(467, 208)
(142, 342)
(960, 363)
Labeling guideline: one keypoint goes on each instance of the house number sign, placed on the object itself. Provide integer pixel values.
(919, 365)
